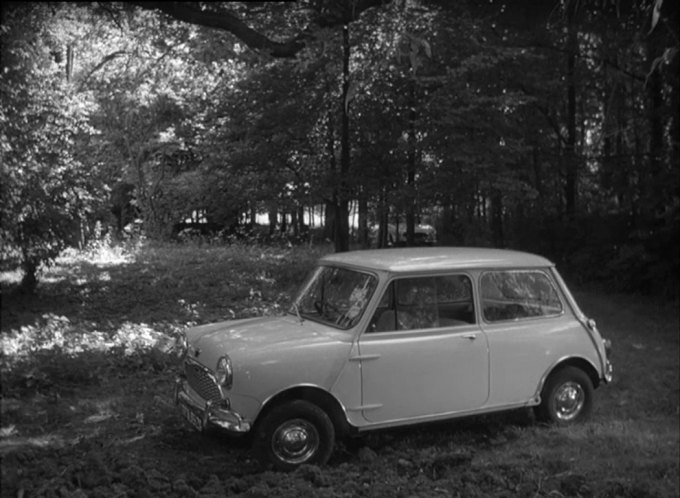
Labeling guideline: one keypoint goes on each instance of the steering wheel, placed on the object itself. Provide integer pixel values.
(324, 306)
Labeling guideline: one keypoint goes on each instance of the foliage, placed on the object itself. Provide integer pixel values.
(146, 293)
(46, 192)
(516, 125)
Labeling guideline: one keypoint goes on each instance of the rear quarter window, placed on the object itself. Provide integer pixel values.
(518, 294)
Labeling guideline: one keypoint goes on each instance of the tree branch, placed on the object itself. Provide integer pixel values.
(101, 64)
(329, 13)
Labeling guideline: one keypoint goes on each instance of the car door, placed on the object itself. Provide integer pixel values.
(528, 329)
(423, 354)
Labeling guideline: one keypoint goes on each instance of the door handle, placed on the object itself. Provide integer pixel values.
(470, 337)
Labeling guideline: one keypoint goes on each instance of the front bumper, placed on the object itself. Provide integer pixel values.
(609, 369)
(201, 414)
(608, 372)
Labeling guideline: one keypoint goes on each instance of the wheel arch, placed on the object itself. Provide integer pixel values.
(312, 394)
(573, 361)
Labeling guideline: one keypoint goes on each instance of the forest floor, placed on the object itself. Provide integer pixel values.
(87, 379)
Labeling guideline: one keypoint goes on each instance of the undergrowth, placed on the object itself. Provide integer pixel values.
(98, 309)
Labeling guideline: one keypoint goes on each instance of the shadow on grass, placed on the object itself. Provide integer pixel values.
(173, 284)
(95, 315)
(100, 296)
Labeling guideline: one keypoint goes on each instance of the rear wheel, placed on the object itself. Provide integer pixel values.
(567, 397)
(292, 434)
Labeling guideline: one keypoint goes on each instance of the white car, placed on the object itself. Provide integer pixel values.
(393, 337)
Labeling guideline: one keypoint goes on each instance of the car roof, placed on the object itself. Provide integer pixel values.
(436, 258)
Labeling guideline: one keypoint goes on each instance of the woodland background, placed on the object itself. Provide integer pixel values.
(166, 164)
(548, 126)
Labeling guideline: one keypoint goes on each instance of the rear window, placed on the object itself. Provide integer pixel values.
(518, 294)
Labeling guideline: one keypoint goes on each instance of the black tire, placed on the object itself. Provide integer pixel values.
(566, 398)
(294, 433)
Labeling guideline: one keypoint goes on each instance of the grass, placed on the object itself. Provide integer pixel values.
(87, 379)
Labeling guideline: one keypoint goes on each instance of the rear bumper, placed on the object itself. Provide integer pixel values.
(201, 414)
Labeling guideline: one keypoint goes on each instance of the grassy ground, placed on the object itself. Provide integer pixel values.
(87, 376)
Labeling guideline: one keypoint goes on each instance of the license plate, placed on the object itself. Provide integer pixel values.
(190, 416)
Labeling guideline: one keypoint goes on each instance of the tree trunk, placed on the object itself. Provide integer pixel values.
(654, 189)
(497, 218)
(302, 229)
(329, 219)
(284, 223)
(253, 217)
(329, 208)
(570, 189)
(341, 199)
(383, 220)
(273, 218)
(411, 169)
(29, 281)
(364, 240)
(70, 59)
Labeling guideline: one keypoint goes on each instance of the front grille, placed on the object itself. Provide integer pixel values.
(201, 382)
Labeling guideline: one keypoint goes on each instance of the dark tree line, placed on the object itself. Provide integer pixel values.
(546, 126)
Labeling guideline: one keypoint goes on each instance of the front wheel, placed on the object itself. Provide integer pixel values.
(567, 397)
(292, 434)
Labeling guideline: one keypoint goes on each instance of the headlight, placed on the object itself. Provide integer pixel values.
(224, 372)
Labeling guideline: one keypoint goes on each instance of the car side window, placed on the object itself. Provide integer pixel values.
(424, 303)
(517, 294)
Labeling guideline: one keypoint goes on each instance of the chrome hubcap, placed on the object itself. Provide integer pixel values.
(569, 400)
(295, 441)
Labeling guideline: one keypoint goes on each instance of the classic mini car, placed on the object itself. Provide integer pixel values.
(385, 338)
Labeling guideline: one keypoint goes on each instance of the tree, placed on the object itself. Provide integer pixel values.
(46, 189)
(507, 125)
(319, 14)
(150, 101)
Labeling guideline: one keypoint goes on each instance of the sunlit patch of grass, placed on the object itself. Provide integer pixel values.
(11, 277)
(55, 354)
(101, 253)
(53, 332)
(126, 308)
(45, 441)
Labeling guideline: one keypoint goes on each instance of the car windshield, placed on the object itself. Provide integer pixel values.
(335, 296)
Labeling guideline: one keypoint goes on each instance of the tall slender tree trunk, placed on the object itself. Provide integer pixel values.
(364, 240)
(654, 188)
(571, 181)
(383, 220)
(497, 218)
(70, 59)
(295, 222)
(411, 168)
(253, 217)
(341, 200)
(329, 207)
